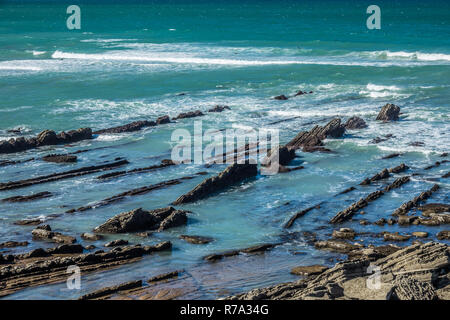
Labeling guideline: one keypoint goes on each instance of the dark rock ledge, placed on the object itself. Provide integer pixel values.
(45, 138)
(142, 220)
(40, 266)
(233, 174)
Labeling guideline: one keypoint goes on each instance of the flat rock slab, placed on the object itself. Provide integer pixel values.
(196, 239)
(308, 270)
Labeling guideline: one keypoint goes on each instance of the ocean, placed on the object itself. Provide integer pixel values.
(143, 59)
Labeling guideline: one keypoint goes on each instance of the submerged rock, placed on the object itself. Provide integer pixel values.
(36, 196)
(308, 270)
(389, 112)
(45, 138)
(219, 108)
(116, 243)
(196, 239)
(60, 158)
(281, 97)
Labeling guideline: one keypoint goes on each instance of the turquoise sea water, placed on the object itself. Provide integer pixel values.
(130, 62)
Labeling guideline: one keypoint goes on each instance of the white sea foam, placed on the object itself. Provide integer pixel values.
(178, 58)
(403, 55)
(107, 40)
(36, 53)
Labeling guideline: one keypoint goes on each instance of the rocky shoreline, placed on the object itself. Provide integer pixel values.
(416, 272)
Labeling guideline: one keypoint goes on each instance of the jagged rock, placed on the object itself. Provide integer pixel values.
(284, 155)
(190, 114)
(400, 168)
(406, 207)
(142, 220)
(312, 140)
(300, 93)
(45, 138)
(389, 112)
(44, 233)
(281, 97)
(219, 108)
(443, 235)
(411, 289)
(333, 129)
(91, 237)
(355, 123)
(381, 175)
(60, 158)
(308, 270)
(163, 120)
(196, 239)
(422, 263)
(231, 175)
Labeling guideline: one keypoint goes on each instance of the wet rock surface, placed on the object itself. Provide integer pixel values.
(44, 232)
(233, 174)
(60, 158)
(312, 140)
(196, 239)
(142, 220)
(45, 138)
(251, 250)
(46, 267)
(389, 112)
(426, 267)
(308, 270)
(355, 123)
(190, 114)
(36, 196)
(348, 213)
